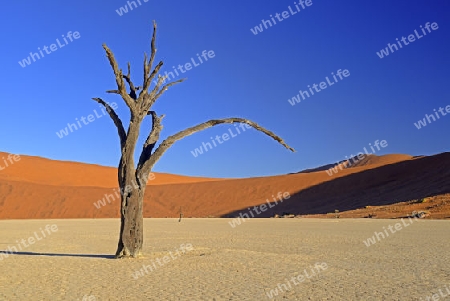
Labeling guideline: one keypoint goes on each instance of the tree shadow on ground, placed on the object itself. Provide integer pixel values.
(7, 253)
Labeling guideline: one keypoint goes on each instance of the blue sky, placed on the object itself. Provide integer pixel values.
(251, 76)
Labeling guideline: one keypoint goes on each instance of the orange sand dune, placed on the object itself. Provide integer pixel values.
(65, 173)
(44, 188)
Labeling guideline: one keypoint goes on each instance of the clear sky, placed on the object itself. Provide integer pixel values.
(250, 76)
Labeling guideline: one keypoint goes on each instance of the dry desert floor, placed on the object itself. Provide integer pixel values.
(290, 259)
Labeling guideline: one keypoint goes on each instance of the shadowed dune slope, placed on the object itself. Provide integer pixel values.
(369, 185)
(367, 160)
(63, 193)
(380, 160)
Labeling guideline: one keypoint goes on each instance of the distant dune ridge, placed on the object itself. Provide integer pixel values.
(367, 160)
(36, 188)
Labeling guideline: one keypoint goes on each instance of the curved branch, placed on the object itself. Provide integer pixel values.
(116, 119)
(166, 144)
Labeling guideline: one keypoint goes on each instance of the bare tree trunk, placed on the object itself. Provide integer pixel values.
(131, 225)
(132, 195)
(132, 189)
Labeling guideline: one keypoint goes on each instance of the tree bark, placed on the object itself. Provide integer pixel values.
(131, 237)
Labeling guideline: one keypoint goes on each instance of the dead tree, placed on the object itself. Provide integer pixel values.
(139, 100)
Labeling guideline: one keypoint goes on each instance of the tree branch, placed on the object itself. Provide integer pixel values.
(146, 70)
(152, 47)
(113, 91)
(148, 81)
(154, 73)
(158, 91)
(133, 89)
(164, 89)
(166, 144)
(148, 65)
(152, 138)
(149, 98)
(119, 79)
(146, 99)
(116, 119)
